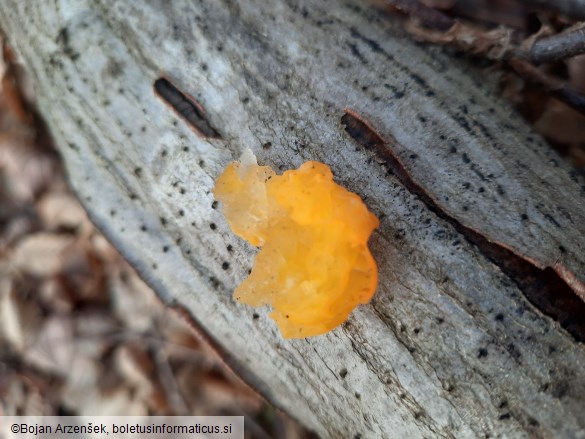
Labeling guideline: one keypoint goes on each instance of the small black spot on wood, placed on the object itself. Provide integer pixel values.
(64, 41)
(230, 248)
(138, 172)
(214, 282)
(212, 226)
(225, 265)
(165, 248)
(482, 353)
(255, 316)
(560, 389)
(343, 373)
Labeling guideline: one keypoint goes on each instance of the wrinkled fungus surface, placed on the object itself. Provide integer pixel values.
(314, 266)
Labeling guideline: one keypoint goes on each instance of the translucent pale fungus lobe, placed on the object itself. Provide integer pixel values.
(314, 266)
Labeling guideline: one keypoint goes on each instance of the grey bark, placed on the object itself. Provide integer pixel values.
(451, 345)
(565, 45)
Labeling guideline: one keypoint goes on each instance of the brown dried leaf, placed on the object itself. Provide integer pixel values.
(53, 349)
(495, 44)
(30, 170)
(576, 68)
(561, 123)
(61, 211)
(53, 297)
(10, 325)
(82, 273)
(133, 301)
(136, 367)
(41, 254)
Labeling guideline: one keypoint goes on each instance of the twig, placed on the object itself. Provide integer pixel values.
(497, 45)
(574, 9)
(557, 47)
(169, 383)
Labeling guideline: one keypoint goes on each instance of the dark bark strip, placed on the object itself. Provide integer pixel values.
(185, 106)
(544, 288)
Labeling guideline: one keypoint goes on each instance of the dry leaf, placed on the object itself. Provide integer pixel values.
(133, 364)
(53, 350)
(41, 254)
(61, 211)
(561, 123)
(10, 324)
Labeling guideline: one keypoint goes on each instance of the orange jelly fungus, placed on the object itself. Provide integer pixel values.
(314, 266)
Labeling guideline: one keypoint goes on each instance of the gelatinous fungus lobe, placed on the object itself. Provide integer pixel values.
(314, 266)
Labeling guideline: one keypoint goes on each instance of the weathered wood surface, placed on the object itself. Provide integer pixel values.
(450, 346)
